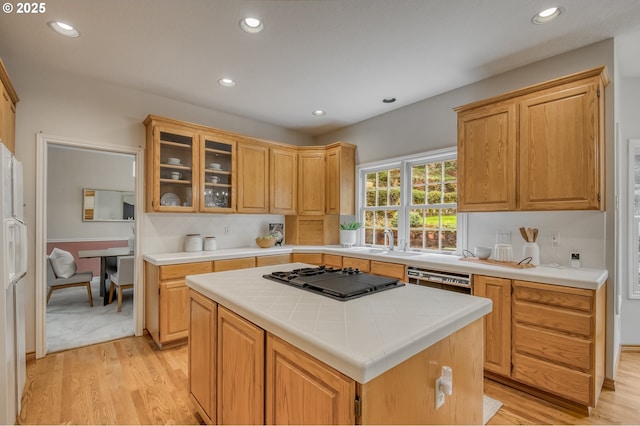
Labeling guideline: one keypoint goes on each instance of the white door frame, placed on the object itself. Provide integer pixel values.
(42, 144)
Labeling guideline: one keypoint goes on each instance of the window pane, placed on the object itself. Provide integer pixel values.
(450, 170)
(435, 172)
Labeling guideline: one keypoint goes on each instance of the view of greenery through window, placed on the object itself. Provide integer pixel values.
(432, 213)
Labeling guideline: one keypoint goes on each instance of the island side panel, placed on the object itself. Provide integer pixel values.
(406, 393)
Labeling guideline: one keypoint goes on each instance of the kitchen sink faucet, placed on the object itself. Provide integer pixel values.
(388, 236)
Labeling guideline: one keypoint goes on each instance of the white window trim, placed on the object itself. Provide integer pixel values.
(633, 223)
(404, 163)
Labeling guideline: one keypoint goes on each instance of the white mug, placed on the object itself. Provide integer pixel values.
(176, 175)
(215, 179)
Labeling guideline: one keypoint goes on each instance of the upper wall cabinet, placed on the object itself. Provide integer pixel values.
(340, 179)
(537, 148)
(311, 181)
(253, 178)
(8, 101)
(188, 169)
(193, 168)
(283, 180)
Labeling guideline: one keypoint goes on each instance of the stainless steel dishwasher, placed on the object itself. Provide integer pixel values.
(451, 281)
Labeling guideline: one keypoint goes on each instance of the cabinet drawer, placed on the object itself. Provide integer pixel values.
(333, 260)
(312, 258)
(233, 264)
(558, 348)
(563, 297)
(169, 272)
(572, 322)
(352, 262)
(570, 384)
(277, 259)
(392, 270)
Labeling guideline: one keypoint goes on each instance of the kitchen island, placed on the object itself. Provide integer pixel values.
(264, 352)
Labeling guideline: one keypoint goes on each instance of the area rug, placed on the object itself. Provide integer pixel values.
(490, 407)
(72, 323)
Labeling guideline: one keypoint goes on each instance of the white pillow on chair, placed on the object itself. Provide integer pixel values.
(62, 262)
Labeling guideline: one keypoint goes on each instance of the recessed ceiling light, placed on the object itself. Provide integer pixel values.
(389, 100)
(318, 113)
(226, 82)
(64, 29)
(251, 25)
(547, 15)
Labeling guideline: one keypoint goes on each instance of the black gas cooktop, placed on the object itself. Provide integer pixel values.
(340, 284)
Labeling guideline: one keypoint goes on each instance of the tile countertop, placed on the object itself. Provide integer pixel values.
(361, 338)
(590, 279)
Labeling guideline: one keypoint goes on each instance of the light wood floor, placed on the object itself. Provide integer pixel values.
(129, 381)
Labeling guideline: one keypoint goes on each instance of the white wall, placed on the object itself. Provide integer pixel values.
(432, 124)
(628, 99)
(69, 171)
(76, 107)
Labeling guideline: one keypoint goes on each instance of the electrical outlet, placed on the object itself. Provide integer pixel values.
(555, 239)
(439, 393)
(227, 230)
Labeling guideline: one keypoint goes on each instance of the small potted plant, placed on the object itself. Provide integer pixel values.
(348, 233)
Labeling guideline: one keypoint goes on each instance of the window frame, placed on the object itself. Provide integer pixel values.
(634, 225)
(405, 163)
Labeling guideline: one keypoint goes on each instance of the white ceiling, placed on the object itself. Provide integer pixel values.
(342, 56)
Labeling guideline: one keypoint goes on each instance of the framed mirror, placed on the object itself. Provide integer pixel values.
(103, 205)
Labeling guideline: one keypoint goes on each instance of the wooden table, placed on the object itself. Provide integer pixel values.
(104, 254)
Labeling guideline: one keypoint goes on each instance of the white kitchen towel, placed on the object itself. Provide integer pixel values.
(490, 407)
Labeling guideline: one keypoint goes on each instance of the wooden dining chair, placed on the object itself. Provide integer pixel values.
(122, 279)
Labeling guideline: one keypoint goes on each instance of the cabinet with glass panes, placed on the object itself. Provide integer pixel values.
(188, 169)
(218, 177)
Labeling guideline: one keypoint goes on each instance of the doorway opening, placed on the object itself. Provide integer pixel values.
(87, 197)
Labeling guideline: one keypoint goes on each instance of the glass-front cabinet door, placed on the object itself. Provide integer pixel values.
(217, 182)
(176, 178)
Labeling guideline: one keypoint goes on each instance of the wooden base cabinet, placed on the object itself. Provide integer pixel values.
(303, 390)
(240, 378)
(241, 374)
(549, 338)
(497, 324)
(203, 313)
(167, 301)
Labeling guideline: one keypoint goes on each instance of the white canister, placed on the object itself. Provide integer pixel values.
(503, 252)
(531, 250)
(193, 242)
(210, 243)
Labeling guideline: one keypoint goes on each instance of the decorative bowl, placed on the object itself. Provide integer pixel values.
(265, 242)
(482, 252)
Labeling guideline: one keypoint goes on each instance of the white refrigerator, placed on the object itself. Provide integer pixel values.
(13, 267)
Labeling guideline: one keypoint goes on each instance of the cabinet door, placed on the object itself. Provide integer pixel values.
(233, 264)
(340, 197)
(202, 355)
(386, 269)
(218, 177)
(497, 324)
(7, 119)
(303, 390)
(253, 178)
(311, 182)
(312, 258)
(172, 169)
(487, 158)
(174, 311)
(240, 370)
(353, 262)
(283, 178)
(561, 153)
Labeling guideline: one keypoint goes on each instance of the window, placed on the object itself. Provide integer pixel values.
(413, 197)
(634, 219)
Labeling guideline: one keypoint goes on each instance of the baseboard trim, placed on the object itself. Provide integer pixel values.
(630, 348)
(609, 384)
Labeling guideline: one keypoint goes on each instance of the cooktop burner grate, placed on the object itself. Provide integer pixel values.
(341, 284)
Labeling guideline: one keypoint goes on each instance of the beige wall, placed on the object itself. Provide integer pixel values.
(69, 171)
